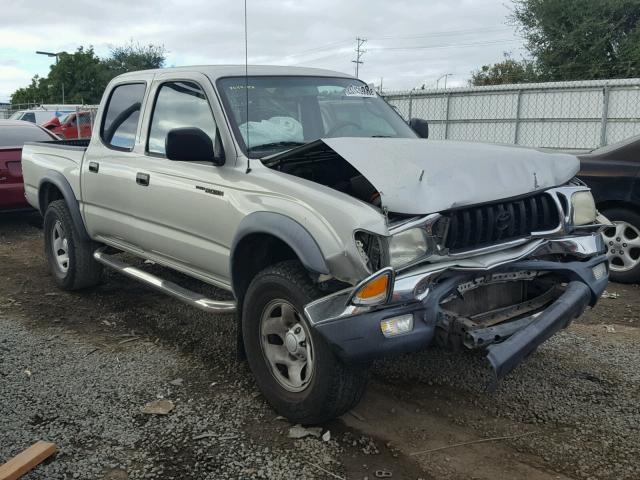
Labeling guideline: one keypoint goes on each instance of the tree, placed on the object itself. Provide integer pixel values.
(574, 40)
(85, 75)
(507, 71)
(581, 39)
(135, 56)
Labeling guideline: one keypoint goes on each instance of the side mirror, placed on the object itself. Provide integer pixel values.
(420, 126)
(190, 144)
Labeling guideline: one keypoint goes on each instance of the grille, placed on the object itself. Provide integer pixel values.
(484, 225)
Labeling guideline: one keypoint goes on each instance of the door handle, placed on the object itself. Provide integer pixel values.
(142, 179)
(94, 167)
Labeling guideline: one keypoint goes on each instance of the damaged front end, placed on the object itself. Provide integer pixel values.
(504, 290)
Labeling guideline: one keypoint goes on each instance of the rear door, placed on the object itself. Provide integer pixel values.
(109, 170)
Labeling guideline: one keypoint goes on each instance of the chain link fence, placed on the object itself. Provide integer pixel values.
(559, 115)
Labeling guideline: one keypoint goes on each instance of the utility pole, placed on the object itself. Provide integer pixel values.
(359, 52)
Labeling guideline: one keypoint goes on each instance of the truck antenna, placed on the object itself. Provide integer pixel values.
(246, 85)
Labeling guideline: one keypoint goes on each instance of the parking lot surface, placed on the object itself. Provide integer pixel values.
(78, 369)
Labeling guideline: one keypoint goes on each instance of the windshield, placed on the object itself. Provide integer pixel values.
(16, 115)
(65, 118)
(288, 111)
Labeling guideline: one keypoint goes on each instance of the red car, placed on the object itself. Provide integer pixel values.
(13, 135)
(67, 126)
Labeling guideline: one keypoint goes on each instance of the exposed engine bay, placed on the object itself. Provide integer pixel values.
(319, 163)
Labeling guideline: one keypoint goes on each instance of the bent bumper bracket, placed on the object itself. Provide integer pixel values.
(505, 356)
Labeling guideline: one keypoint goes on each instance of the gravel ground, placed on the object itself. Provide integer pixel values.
(89, 402)
(77, 368)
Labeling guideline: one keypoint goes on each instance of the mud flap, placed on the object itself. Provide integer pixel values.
(507, 355)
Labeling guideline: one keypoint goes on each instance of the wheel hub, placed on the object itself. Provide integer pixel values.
(294, 340)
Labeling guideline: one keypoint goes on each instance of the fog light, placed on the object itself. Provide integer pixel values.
(600, 270)
(392, 327)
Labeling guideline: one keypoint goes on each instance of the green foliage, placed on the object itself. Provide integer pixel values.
(581, 39)
(507, 71)
(578, 39)
(85, 75)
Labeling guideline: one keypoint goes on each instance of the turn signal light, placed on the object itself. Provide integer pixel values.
(374, 290)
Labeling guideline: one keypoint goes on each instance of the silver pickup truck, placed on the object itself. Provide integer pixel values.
(343, 234)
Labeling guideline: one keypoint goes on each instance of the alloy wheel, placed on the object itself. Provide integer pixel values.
(60, 247)
(623, 246)
(286, 345)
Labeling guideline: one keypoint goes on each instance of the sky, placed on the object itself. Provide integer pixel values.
(409, 43)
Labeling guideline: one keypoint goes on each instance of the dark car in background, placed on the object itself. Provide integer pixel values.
(13, 135)
(613, 172)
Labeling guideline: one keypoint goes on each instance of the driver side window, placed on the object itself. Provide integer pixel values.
(179, 105)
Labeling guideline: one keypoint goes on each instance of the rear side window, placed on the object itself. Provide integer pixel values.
(121, 116)
(15, 136)
(179, 104)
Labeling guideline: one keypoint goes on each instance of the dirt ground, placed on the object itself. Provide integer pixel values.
(571, 411)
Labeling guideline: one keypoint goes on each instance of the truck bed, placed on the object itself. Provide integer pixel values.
(39, 159)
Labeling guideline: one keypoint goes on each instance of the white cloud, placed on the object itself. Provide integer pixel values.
(211, 31)
(12, 77)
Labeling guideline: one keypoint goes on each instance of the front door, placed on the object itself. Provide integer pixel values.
(182, 207)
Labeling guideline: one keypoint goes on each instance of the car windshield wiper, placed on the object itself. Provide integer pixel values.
(267, 146)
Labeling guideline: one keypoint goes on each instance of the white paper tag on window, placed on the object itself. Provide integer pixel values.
(359, 91)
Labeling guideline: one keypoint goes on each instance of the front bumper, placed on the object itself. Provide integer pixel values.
(355, 334)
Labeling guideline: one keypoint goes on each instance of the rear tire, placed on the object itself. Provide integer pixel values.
(310, 385)
(623, 245)
(70, 258)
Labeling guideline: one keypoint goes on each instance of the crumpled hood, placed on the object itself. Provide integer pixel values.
(416, 176)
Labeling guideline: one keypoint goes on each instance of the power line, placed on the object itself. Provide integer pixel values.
(443, 33)
(327, 46)
(451, 45)
(359, 52)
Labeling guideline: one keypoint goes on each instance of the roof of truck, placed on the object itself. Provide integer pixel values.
(217, 71)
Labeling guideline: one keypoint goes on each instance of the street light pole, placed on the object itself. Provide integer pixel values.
(445, 76)
(56, 55)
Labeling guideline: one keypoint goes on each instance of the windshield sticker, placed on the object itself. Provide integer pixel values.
(359, 91)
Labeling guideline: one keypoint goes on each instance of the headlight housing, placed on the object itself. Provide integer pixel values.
(408, 246)
(583, 207)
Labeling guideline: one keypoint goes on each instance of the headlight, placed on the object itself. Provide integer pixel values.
(407, 247)
(584, 208)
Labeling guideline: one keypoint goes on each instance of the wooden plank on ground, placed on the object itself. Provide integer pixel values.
(27, 460)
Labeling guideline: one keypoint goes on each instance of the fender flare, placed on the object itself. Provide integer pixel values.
(62, 184)
(286, 229)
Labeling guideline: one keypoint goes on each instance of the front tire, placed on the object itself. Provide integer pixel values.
(293, 365)
(623, 245)
(70, 258)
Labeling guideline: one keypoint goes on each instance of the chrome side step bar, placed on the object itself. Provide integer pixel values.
(187, 296)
